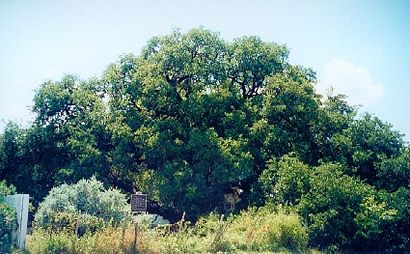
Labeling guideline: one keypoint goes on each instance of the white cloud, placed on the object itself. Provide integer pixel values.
(351, 80)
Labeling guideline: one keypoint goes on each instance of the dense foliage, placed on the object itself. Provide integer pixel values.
(193, 117)
(8, 219)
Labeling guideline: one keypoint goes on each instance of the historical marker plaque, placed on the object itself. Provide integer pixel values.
(138, 202)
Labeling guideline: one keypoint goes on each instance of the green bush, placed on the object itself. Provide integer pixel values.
(373, 222)
(286, 180)
(341, 211)
(326, 198)
(331, 205)
(7, 219)
(85, 203)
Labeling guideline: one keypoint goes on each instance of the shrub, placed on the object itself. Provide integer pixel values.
(286, 180)
(373, 222)
(86, 201)
(330, 206)
(341, 212)
(7, 219)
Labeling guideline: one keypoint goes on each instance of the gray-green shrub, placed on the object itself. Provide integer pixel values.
(86, 200)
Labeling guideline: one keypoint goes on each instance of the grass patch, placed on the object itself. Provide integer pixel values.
(252, 231)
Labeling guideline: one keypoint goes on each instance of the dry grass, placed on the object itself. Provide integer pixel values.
(253, 231)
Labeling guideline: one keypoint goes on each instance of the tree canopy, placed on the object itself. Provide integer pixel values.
(194, 116)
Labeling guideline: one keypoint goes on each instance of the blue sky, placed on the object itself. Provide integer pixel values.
(361, 48)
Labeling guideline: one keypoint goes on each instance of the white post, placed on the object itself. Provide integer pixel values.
(20, 203)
